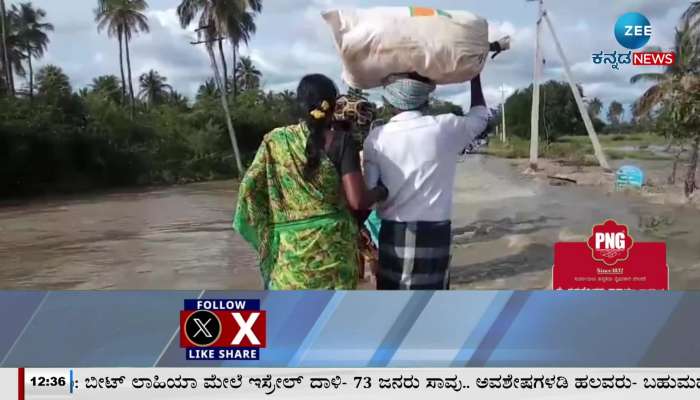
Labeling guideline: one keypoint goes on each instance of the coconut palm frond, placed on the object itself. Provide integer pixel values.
(649, 100)
(648, 77)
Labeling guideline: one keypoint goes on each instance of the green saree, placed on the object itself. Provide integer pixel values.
(304, 235)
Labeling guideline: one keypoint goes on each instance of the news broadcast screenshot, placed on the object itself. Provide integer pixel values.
(349, 199)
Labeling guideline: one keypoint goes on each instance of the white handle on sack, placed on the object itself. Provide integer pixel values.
(500, 45)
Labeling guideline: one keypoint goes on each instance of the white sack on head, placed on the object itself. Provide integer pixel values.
(445, 46)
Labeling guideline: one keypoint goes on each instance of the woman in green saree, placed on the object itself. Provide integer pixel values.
(293, 200)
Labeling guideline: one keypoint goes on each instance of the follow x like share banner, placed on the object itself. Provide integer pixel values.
(222, 329)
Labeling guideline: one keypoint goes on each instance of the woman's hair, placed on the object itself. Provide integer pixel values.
(316, 95)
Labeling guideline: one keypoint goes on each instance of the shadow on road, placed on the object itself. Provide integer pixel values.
(534, 258)
(488, 230)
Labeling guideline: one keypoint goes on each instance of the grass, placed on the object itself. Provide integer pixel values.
(633, 139)
(578, 150)
(514, 148)
(520, 148)
(635, 155)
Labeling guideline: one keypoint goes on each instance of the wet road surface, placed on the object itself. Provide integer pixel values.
(181, 237)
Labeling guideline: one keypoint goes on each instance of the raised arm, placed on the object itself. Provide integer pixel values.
(463, 130)
(477, 93)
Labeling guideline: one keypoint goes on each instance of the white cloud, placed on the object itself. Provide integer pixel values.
(292, 40)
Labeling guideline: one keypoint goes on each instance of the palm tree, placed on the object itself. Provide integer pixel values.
(690, 20)
(32, 35)
(669, 90)
(7, 71)
(686, 46)
(178, 100)
(242, 31)
(615, 112)
(216, 19)
(207, 90)
(288, 97)
(12, 48)
(123, 19)
(154, 88)
(595, 107)
(232, 19)
(113, 29)
(247, 74)
(107, 86)
(687, 60)
(53, 83)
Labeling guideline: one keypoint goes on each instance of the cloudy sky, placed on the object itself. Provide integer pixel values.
(293, 40)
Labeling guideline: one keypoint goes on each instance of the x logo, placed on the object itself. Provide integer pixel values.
(245, 329)
(202, 328)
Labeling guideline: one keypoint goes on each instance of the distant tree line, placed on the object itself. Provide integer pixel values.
(123, 131)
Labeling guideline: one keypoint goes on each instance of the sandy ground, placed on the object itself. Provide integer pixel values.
(180, 237)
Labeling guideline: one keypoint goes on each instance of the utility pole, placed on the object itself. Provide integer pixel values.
(503, 113)
(534, 135)
(535, 119)
(597, 148)
(209, 43)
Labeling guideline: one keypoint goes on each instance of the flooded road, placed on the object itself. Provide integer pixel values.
(165, 238)
(181, 237)
(506, 225)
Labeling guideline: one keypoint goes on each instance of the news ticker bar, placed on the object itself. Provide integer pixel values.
(387, 384)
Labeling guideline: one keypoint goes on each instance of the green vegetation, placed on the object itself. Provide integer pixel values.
(53, 138)
(56, 137)
(578, 150)
(69, 141)
(673, 101)
(670, 109)
(558, 110)
(612, 141)
(615, 113)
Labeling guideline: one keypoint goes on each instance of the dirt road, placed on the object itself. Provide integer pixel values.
(180, 237)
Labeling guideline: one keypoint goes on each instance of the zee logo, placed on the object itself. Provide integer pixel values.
(633, 30)
(223, 329)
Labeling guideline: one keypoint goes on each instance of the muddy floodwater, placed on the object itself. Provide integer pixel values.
(181, 238)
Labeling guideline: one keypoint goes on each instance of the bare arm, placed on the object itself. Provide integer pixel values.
(357, 194)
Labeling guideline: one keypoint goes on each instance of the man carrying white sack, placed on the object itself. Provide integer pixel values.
(415, 156)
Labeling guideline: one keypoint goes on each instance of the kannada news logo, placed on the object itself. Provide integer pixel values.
(610, 243)
(222, 329)
(633, 31)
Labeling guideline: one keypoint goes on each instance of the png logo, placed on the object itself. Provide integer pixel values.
(610, 260)
(610, 243)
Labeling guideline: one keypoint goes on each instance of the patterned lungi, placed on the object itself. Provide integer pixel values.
(414, 255)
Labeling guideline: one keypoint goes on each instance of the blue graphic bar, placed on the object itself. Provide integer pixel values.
(361, 329)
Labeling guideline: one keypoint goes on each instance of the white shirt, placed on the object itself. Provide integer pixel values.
(416, 156)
